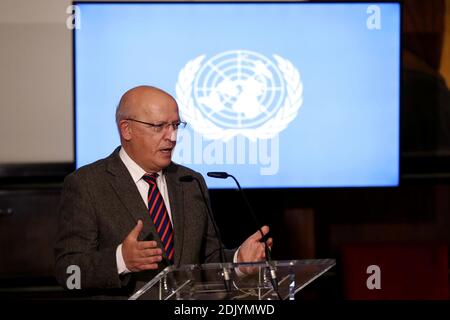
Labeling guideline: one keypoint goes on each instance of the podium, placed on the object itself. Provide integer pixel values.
(209, 281)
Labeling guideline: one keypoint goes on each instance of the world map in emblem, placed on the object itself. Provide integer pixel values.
(239, 89)
(239, 92)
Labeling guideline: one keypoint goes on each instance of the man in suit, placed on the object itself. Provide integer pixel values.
(126, 217)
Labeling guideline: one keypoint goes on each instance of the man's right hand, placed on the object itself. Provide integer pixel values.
(140, 255)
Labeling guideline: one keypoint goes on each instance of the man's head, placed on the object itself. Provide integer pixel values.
(149, 146)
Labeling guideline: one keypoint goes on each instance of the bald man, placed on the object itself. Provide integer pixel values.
(125, 218)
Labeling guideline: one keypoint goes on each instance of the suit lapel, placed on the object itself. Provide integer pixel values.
(127, 192)
(176, 196)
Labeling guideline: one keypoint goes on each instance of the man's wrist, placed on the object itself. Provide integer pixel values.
(239, 273)
(121, 266)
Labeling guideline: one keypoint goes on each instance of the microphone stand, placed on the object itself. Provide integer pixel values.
(226, 274)
(273, 275)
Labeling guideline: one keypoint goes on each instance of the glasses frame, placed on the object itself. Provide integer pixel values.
(162, 126)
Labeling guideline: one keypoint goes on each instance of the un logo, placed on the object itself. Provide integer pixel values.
(239, 92)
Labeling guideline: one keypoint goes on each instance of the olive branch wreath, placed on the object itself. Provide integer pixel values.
(286, 114)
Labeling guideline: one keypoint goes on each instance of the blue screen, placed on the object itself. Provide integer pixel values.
(281, 95)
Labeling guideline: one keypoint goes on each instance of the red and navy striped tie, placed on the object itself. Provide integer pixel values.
(160, 216)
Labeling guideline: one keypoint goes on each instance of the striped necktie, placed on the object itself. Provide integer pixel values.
(160, 216)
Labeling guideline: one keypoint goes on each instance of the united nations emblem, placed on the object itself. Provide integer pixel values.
(239, 92)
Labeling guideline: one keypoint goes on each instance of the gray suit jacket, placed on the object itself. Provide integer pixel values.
(100, 205)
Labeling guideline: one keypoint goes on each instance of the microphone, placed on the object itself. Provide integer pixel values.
(219, 175)
(226, 274)
(273, 275)
(225, 175)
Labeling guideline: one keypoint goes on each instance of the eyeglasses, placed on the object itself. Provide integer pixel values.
(161, 126)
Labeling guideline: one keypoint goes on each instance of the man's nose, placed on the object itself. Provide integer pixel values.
(171, 134)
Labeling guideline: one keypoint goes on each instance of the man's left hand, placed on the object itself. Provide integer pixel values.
(252, 250)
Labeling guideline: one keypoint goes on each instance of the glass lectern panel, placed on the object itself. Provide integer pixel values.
(234, 281)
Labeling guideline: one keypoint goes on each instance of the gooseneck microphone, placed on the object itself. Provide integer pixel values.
(273, 275)
(226, 274)
(220, 175)
(225, 175)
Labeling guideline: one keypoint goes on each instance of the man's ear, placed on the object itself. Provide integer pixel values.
(125, 130)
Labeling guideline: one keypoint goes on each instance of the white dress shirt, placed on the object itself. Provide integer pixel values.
(137, 173)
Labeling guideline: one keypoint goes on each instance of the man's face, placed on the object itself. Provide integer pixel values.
(150, 149)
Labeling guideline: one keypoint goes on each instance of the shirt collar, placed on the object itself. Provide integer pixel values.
(135, 170)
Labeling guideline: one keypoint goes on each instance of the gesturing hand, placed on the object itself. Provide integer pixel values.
(140, 255)
(252, 250)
